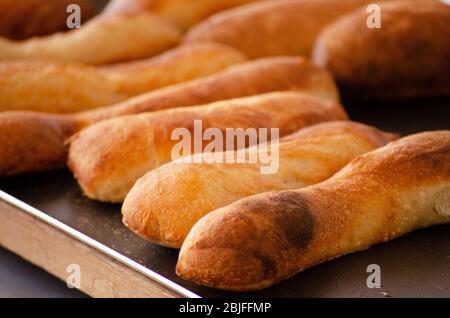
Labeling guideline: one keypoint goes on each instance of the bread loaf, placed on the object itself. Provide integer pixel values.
(268, 28)
(100, 41)
(184, 13)
(108, 158)
(164, 204)
(408, 56)
(246, 79)
(34, 134)
(69, 87)
(261, 240)
(23, 19)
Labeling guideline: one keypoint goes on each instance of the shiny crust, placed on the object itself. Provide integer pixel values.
(184, 13)
(409, 56)
(23, 19)
(251, 78)
(68, 87)
(100, 41)
(108, 158)
(261, 240)
(164, 204)
(268, 28)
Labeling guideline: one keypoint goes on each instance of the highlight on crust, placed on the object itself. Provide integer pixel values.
(265, 142)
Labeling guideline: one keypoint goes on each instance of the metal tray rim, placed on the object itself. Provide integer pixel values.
(97, 245)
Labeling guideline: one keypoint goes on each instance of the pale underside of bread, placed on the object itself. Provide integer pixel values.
(184, 13)
(261, 240)
(20, 20)
(164, 204)
(408, 56)
(246, 79)
(71, 87)
(100, 41)
(269, 28)
(108, 158)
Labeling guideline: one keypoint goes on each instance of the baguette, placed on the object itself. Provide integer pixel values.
(100, 41)
(408, 56)
(108, 158)
(69, 87)
(164, 204)
(264, 239)
(184, 13)
(40, 137)
(268, 28)
(23, 19)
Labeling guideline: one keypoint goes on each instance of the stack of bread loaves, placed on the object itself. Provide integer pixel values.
(105, 100)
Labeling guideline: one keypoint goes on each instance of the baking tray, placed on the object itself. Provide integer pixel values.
(416, 265)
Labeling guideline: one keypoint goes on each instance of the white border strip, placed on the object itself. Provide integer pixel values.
(98, 246)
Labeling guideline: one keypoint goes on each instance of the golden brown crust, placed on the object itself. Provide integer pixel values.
(108, 158)
(33, 142)
(251, 78)
(184, 13)
(261, 240)
(23, 19)
(246, 79)
(70, 87)
(408, 56)
(100, 41)
(164, 204)
(268, 28)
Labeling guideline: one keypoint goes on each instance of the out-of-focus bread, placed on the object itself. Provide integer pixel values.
(409, 56)
(102, 40)
(268, 28)
(184, 13)
(70, 87)
(22, 19)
